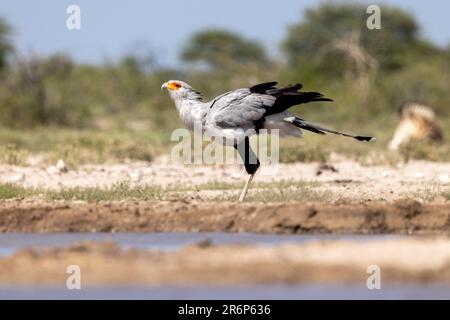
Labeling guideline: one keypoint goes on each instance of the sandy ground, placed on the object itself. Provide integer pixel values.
(415, 179)
(422, 260)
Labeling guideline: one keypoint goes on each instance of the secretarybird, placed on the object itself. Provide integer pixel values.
(236, 115)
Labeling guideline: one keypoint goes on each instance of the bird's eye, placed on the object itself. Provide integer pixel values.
(174, 85)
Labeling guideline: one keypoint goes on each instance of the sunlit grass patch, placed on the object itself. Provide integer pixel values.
(295, 150)
(427, 194)
(77, 147)
(319, 148)
(287, 195)
(284, 191)
(264, 191)
(118, 191)
(446, 195)
(220, 185)
(426, 151)
(11, 154)
(13, 191)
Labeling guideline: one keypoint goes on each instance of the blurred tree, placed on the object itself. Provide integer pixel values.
(37, 91)
(322, 28)
(333, 41)
(139, 63)
(222, 50)
(5, 45)
(364, 63)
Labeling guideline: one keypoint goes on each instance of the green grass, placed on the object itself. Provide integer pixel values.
(280, 195)
(270, 191)
(279, 191)
(318, 148)
(283, 192)
(427, 193)
(219, 185)
(426, 151)
(276, 191)
(118, 191)
(77, 147)
(11, 154)
(305, 150)
(446, 195)
(13, 191)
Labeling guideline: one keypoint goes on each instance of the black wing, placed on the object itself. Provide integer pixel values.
(286, 97)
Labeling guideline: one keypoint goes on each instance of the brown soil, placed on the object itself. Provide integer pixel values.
(411, 260)
(404, 217)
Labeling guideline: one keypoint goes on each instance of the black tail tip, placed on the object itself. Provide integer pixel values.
(362, 138)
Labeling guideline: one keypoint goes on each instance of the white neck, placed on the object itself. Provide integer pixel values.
(191, 111)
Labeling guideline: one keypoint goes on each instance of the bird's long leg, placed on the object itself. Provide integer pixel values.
(251, 163)
(247, 184)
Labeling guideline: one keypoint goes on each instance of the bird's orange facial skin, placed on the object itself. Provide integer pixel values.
(173, 85)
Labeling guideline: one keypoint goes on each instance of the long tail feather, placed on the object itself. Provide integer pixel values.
(303, 124)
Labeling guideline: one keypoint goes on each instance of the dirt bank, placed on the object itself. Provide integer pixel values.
(404, 217)
(412, 260)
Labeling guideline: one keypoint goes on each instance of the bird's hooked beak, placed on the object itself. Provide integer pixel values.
(164, 86)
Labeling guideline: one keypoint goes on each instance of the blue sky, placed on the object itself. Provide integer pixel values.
(111, 29)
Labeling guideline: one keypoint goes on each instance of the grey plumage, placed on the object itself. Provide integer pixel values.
(235, 115)
(243, 112)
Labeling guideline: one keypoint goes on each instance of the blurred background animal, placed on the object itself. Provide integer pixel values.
(417, 122)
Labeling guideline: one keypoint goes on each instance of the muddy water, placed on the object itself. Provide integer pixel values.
(11, 242)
